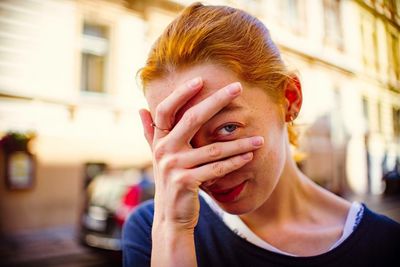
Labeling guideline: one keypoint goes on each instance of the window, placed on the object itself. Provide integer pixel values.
(332, 23)
(369, 40)
(394, 55)
(95, 46)
(294, 13)
(391, 5)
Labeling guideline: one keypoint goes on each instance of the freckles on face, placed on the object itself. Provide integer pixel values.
(253, 113)
(254, 108)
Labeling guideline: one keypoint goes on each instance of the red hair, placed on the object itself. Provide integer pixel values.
(224, 36)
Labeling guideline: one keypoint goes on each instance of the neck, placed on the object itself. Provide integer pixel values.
(294, 199)
(287, 201)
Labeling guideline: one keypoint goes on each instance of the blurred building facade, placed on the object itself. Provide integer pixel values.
(68, 73)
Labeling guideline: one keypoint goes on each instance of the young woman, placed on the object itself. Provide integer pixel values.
(228, 192)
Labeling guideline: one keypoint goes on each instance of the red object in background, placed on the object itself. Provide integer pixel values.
(129, 201)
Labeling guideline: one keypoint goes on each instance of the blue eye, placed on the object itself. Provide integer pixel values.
(227, 129)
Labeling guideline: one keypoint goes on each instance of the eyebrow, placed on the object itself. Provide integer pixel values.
(229, 108)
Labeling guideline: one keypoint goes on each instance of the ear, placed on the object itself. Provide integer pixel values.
(293, 98)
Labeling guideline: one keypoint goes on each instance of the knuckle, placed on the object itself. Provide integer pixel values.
(159, 151)
(214, 151)
(235, 162)
(161, 110)
(182, 180)
(218, 169)
(191, 119)
(168, 162)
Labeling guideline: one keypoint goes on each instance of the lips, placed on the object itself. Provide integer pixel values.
(228, 195)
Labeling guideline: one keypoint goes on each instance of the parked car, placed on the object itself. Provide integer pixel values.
(110, 198)
(392, 179)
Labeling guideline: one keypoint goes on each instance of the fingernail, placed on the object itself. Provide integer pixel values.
(195, 82)
(247, 156)
(234, 88)
(257, 141)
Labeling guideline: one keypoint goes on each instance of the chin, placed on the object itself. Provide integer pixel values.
(238, 207)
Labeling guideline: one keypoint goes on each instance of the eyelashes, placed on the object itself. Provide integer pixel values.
(227, 130)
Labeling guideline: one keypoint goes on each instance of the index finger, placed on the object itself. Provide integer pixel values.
(167, 109)
(194, 118)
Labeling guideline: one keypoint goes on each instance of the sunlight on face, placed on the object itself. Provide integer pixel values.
(252, 113)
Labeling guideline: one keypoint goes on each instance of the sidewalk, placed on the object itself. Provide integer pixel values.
(50, 247)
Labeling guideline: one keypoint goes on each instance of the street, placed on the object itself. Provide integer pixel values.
(51, 247)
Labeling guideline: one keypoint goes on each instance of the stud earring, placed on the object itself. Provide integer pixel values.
(292, 118)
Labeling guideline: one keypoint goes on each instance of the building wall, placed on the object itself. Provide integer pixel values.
(40, 92)
(54, 200)
(336, 78)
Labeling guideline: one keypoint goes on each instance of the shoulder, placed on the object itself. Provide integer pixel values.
(143, 211)
(381, 223)
(379, 235)
(136, 236)
(137, 228)
(141, 218)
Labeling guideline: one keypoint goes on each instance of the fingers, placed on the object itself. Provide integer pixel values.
(220, 168)
(147, 121)
(193, 178)
(167, 109)
(217, 151)
(200, 113)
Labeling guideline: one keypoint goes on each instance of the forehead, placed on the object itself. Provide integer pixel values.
(214, 77)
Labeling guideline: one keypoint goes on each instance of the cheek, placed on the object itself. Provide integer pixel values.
(269, 160)
(269, 165)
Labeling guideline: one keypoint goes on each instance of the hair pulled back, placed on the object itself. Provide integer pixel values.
(224, 36)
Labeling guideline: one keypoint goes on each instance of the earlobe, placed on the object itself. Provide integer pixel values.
(293, 98)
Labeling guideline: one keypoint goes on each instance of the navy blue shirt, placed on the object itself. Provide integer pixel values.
(375, 242)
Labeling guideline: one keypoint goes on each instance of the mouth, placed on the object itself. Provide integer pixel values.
(228, 195)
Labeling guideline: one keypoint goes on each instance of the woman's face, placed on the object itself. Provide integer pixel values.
(252, 113)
